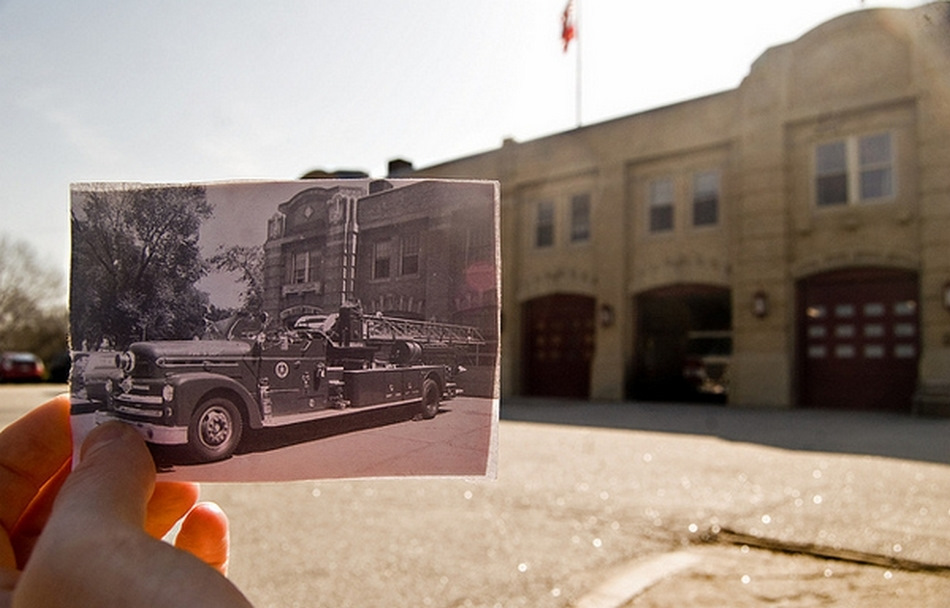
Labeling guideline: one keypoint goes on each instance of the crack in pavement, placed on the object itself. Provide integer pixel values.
(732, 537)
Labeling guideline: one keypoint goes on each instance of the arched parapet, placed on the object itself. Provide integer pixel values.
(840, 260)
(557, 280)
(682, 269)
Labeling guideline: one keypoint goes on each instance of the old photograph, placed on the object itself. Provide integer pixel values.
(269, 331)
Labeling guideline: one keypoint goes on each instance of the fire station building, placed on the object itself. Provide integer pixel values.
(412, 250)
(800, 221)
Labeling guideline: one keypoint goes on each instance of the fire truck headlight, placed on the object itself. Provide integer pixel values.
(168, 393)
(125, 361)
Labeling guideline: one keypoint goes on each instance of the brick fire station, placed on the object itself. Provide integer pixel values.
(800, 221)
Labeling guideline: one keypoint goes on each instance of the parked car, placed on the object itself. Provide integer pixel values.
(21, 367)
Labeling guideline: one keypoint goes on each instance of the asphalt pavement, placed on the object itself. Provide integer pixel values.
(891, 435)
(601, 505)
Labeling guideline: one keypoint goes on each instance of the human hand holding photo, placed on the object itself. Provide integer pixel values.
(91, 536)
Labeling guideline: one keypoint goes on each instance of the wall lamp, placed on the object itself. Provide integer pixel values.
(606, 315)
(760, 304)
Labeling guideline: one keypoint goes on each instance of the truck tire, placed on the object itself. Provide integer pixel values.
(215, 429)
(430, 399)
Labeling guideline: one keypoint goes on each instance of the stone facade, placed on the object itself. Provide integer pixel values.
(411, 249)
(832, 156)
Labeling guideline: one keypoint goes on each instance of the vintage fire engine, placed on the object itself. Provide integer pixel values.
(206, 393)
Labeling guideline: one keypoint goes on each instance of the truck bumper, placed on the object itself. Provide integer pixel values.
(153, 433)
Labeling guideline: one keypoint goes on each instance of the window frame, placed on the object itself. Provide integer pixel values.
(659, 208)
(850, 178)
(581, 226)
(378, 246)
(702, 197)
(544, 225)
(410, 250)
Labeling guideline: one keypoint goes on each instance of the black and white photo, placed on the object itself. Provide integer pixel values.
(256, 331)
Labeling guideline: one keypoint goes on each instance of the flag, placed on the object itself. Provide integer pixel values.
(567, 24)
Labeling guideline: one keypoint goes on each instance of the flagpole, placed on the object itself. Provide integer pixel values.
(577, 70)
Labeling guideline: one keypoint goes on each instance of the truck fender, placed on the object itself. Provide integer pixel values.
(192, 387)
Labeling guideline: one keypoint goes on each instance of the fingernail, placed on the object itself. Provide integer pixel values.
(103, 436)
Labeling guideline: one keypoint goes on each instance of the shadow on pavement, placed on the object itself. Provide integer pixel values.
(872, 433)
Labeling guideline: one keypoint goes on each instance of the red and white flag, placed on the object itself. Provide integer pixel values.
(567, 24)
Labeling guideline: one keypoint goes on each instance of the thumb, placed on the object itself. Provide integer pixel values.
(113, 480)
(95, 527)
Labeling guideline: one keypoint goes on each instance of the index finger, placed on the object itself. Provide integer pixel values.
(32, 450)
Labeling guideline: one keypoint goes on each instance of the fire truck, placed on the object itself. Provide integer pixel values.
(205, 394)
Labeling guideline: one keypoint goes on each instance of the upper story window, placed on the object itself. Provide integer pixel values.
(580, 218)
(382, 259)
(410, 255)
(854, 170)
(301, 267)
(544, 225)
(661, 205)
(706, 198)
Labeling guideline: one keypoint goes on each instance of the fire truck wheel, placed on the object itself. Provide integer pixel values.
(430, 398)
(215, 429)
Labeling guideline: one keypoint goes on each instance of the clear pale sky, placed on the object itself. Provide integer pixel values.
(184, 90)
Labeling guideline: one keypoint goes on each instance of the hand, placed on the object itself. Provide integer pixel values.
(90, 537)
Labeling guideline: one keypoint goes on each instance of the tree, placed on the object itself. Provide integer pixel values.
(135, 264)
(32, 313)
(248, 262)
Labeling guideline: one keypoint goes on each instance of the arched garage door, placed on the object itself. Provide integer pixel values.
(858, 339)
(558, 346)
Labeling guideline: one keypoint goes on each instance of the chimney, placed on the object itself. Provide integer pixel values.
(399, 167)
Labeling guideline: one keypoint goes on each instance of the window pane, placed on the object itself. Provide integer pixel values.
(661, 205)
(661, 218)
(875, 149)
(580, 218)
(831, 174)
(876, 184)
(905, 351)
(844, 331)
(382, 253)
(661, 192)
(844, 311)
(874, 157)
(410, 254)
(544, 229)
(706, 212)
(905, 330)
(300, 267)
(831, 159)
(832, 190)
(844, 351)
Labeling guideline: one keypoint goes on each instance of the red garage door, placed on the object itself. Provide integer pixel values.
(858, 339)
(558, 346)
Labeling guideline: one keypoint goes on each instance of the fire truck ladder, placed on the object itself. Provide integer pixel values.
(380, 328)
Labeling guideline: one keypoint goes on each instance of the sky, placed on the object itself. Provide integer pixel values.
(179, 91)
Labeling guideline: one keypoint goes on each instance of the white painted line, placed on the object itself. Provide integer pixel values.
(635, 578)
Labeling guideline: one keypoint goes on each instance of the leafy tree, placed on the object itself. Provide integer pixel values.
(135, 264)
(248, 262)
(32, 313)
